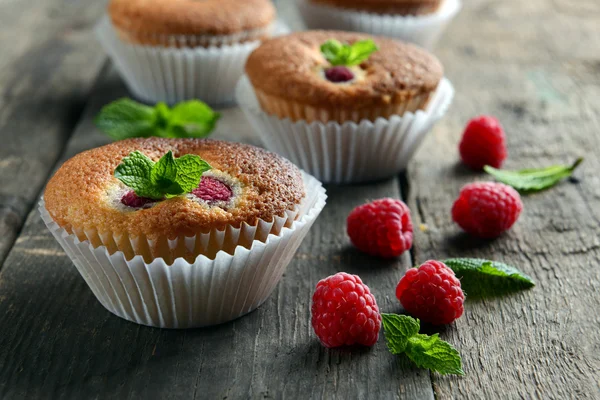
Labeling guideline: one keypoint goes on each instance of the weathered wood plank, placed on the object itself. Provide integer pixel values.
(540, 77)
(60, 342)
(47, 69)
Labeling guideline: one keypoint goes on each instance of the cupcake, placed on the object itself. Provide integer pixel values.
(293, 78)
(184, 49)
(418, 21)
(180, 233)
(347, 107)
(190, 23)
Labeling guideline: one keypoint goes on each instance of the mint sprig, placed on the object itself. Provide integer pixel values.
(484, 278)
(169, 177)
(403, 337)
(338, 53)
(534, 180)
(125, 118)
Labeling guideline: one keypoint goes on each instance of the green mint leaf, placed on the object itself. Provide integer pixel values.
(433, 353)
(397, 330)
(162, 117)
(402, 336)
(164, 176)
(483, 278)
(533, 180)
(334, 51)
(189, 171)
(192, 119)
(169, 177)
(135, 172)
(348, 54)
(125, 119)
(361, 51)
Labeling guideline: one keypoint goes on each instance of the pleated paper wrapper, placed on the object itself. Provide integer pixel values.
(423, 30)
(171, 74)
(188, 295)
(349, 152)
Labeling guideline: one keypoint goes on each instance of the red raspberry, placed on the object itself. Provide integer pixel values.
(483, 143)
(431, 293)
(339, 74)
(487, 209)
(130, 199)
(382, 228)
(211, 189)
(344, 312)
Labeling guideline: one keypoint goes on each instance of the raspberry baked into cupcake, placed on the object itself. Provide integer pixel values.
(345, 106)
(182, 49)
(417, 21)
(180, 232)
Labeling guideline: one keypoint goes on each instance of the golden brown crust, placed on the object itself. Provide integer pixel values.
(394, 7)
(300, 112)
(397, 73)
(147, 21)
(78, 196)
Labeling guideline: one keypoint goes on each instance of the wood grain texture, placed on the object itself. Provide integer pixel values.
(47, 68)
(535, 65)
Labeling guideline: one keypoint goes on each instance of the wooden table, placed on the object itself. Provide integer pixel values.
(534, 64)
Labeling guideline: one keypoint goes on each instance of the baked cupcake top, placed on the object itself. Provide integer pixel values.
(293, 68)
(190, 17)
(394, 7)
(245, 184)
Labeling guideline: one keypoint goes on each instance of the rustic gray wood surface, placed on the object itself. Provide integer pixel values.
(535, 65)
(47, 68)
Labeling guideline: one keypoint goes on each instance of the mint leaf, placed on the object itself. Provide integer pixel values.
(162, 116)
(533, 180)
(164, 176)
(169, 177)
(348, 54)
(334, 51)
(126, 118)
(192, 119)
(397, 330)
(483, 278)
(361, 51)
(402, 336)
(135, 172)
(189, 171)
(433, 353)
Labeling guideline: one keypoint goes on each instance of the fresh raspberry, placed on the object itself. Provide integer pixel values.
(487, 209)
(382, 228)
(338, 74)
(344, 312)
(431, 293)
(483, 143)
(130, 199)
(211, 189)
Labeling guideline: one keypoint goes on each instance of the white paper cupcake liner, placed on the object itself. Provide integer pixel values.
(422, 30)
(172, 74)
(188, 295)
(349, 152)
